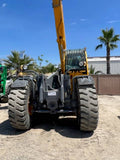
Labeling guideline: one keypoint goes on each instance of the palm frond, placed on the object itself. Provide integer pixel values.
(113, 46)
(14, 60)
(109, 40)
(102, 39)
(98, 46)
(108, 34)
(104, 32)
(115, 38)
(92, 69)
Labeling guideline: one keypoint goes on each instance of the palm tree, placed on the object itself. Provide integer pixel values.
(92, 69)
(14, 61)
(40, 59)
(109, 40)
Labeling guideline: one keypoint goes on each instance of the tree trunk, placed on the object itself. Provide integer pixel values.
(108, 59)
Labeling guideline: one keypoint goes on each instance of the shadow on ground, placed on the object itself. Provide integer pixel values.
(66, 127)
(6, 129)
(4, 107)
(119, 117)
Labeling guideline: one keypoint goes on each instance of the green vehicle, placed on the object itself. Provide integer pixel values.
(3, 78)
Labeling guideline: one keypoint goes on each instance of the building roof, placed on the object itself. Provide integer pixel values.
(112, 58)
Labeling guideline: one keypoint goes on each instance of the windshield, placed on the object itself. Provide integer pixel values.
(75, 59)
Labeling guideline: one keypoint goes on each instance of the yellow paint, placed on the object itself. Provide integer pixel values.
(60, 30)
(86, 62)
(61, 40)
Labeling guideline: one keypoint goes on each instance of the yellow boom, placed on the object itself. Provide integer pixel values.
(60, 30)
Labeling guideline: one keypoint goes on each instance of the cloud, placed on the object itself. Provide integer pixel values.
(4, 5)
(113, 21)
(73, 23)
(83, 19)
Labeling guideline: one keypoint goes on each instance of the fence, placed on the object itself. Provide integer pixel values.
(107, 84)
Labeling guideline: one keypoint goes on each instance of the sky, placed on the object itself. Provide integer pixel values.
(29, 25)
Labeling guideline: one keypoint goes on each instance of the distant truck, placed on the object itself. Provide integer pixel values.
(5, 83)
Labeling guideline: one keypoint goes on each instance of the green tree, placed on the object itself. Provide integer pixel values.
(48, 68)
(46, 61)
(51, 68)
(14, 61)
(92, 70)
(109, 39)
(40, 59)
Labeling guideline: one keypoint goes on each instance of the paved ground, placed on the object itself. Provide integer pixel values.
(62, 140)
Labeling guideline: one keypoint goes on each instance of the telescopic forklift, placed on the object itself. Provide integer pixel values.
(69, 91)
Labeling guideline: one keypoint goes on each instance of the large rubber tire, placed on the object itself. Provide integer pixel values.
(87, 108)
(18, 108)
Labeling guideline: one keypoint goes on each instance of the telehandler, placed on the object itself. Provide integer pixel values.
(69, 91)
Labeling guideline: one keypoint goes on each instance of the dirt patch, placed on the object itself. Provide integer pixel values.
(62, 140)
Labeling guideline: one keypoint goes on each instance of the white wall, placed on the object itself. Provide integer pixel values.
(101, 65)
